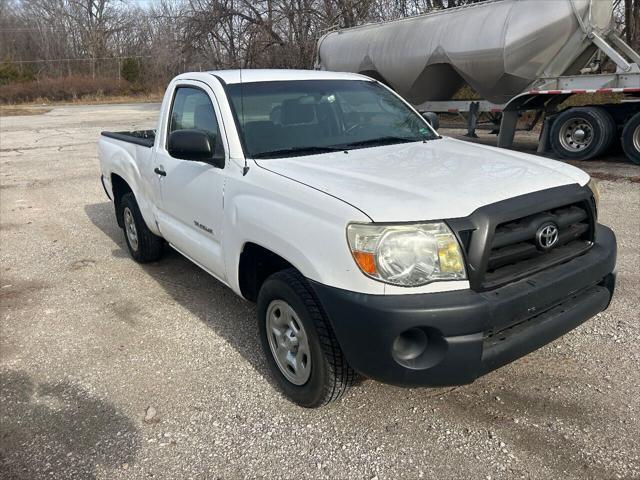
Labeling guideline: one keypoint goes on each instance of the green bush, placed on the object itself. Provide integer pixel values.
(130, 70)
(9, 73)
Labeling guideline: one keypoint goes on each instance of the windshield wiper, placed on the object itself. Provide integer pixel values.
(292, 152)
(380, 141)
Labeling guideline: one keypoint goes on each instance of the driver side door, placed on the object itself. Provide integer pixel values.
(191, 212)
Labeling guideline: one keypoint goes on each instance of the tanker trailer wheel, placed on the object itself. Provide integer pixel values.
(581, 133)
(631, 139)
(611, 128)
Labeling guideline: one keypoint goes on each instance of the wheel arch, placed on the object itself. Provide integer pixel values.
(122, 184)
(119, 187)
(255, 264)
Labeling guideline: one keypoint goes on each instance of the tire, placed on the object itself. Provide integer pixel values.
(594, 129)
(144, 246)
(325, 375)
(611, 129)
(631, 139)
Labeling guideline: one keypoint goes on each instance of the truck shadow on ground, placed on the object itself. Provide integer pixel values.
(59, 430)
(210, 301)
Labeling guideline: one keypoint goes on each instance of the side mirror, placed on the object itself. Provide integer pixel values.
(196, 145)
(432, 118)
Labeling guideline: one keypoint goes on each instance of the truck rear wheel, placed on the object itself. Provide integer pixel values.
(302, 351)
(581, 133)
(144, 246)
(631, 139)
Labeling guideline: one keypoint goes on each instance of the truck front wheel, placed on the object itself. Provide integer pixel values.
(631, 139)
(302, 351)
(144, 246)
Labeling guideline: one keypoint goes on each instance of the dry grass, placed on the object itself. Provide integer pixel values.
(11, 111)
(74, 89)
(98, 100)
(592, 99)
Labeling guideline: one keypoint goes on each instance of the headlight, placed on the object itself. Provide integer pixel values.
(593, 185)
(406, 255)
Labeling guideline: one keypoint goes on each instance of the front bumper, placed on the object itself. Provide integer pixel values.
(469, 333)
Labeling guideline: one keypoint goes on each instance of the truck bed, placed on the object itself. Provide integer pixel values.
(145, 138)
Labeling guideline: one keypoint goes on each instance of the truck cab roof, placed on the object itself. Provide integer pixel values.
(271, 75)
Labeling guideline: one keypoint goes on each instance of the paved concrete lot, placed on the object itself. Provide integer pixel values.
(90, 340)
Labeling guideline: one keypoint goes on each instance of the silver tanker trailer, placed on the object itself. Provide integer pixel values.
(517, 56)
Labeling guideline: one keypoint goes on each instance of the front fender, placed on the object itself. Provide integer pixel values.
(304, 226)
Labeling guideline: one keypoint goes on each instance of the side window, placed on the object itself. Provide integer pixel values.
(192, 109)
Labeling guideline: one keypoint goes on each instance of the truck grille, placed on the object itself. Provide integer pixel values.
(514, 251)
(500, 239)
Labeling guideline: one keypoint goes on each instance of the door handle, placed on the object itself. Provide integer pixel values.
(160, 172)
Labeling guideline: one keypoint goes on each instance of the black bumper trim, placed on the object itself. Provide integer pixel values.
(534, 311)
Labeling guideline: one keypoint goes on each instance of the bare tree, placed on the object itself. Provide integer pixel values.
(65, 37)
(98, 21)
(632, 22)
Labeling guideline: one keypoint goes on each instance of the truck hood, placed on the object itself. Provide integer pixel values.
(439, 179)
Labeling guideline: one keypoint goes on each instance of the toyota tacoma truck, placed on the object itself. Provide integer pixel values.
(371, 245)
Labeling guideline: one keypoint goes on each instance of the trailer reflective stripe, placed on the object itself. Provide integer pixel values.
(573, 92)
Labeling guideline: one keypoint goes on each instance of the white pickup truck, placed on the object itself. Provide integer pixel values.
(371, 244)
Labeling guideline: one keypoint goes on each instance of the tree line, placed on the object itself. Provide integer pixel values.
(152, 40)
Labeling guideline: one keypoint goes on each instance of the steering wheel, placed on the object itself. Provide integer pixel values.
(353, 128)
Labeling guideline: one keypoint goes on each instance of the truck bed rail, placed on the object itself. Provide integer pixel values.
(144, 138)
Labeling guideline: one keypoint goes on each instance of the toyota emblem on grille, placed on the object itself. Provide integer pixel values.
(547, 236)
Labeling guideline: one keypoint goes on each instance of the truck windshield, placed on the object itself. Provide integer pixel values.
(305, 117)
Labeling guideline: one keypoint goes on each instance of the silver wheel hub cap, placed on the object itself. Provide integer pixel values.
(636, 139)
(576, 134)
(288, 342)
(130, 228)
